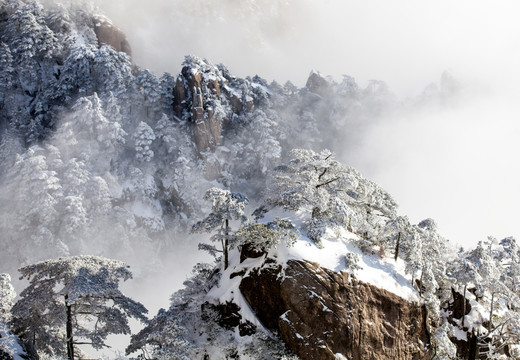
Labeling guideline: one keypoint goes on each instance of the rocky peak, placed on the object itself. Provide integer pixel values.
(197, 93)
(319, 313)
(109, 34)
(318, 84)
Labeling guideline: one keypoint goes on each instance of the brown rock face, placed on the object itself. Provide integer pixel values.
(196, 90)
(108, 34)
(317, 84)
(319, 313)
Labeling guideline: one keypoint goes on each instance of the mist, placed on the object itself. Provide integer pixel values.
(451, 157)
(454, 163)
(407, 44)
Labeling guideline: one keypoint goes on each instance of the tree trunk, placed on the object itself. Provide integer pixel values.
(491, 313)
(397, 246)
(464, 306)
(70, 339)
(421, 282)
(226, 246)
(473, 346)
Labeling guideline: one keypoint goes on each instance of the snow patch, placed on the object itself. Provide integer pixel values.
(228, 289)
(460, 334)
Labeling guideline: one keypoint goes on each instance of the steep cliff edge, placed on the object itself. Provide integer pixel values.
(319, 313)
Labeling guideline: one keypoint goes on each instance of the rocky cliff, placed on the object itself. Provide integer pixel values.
(319, 313)
(197, 93)
(109, 34)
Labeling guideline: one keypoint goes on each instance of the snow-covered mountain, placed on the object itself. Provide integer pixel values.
(312, 259)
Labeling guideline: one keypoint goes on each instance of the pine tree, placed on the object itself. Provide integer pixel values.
(112, 71)
(6, 72)
(76, 74)
(163, 337)
(465, 273)
(73, 301)
(510, 255)
(36, 193)
(331, 194)
(9, 344)
(143, 138)
(225, 207)
(96, 133)
(149, 91)
(167, 88)
(263, 237)
(28, 35)
(7, 296)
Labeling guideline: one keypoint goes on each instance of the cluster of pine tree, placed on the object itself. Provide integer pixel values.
(98, 157)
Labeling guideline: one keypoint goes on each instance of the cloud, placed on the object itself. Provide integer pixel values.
(455, 164)
(405, 43)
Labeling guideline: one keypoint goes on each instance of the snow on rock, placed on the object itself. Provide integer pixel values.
(228, 288)
(383, 273)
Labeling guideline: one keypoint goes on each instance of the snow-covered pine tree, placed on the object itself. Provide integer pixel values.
(163, 338)
(444, 348)
(330, 194)
(167, 88)
(225, 207)
(36, 192)
(7, 296)
(6, 72)
(73, 301)
(166, 336)
(76, 74)
(262, 237)
(465, 274)
(9, 344)
(143, 138)
(148, 92)
(395, 233)
(510, 258)
(90, 127)
(28, 35)
(112, 71)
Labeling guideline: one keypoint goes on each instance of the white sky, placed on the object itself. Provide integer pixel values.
(458, 166)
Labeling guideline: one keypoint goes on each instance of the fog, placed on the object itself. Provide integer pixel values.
(405, 43)
(454, 161)
(456, 164)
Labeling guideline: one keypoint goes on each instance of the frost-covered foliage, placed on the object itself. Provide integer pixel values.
(331, 194)
(262, 237)
(7, 295)
(163, 338)
(477, 275)
(72, 301)
(143, 137)
(351, 262)
(109, 143)
(189, 329)
(225, 207)
(444, 348)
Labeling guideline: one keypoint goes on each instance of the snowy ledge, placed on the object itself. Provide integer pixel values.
(383, 273)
